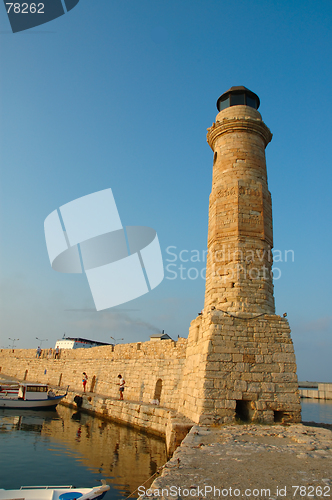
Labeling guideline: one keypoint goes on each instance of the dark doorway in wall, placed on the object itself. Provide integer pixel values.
(243, 410)
(279, 416)
(158, 389)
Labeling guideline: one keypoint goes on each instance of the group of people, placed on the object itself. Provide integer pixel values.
(121, 384)
(50, 352)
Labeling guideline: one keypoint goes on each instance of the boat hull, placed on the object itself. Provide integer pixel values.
(21, 404)
(54, 493)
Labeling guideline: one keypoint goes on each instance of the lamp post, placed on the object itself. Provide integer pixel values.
(41, 341)
(13, 340)
(115, 340)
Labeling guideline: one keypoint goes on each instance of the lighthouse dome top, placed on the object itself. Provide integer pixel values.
(236, 96)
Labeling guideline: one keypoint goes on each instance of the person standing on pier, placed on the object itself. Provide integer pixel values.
(84, 380)
(121, 388)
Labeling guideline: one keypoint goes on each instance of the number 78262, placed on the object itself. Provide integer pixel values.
(25, 8)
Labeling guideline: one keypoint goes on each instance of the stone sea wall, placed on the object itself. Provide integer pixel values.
(157, 420)
(152, 370)
(323, 391)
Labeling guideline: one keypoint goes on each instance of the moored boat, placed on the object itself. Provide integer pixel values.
(55, 493)
(30, 396)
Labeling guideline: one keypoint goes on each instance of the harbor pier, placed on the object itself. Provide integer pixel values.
(315, 390)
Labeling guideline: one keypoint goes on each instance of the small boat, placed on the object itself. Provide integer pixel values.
(54, 493)
(30, 396)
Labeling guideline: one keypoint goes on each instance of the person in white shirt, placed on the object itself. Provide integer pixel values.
(121, 386)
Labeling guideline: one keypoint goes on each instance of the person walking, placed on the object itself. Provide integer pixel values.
(121, 386)
(84, 380)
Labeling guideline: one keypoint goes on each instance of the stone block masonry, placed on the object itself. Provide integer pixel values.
(323, 391)
(240, 359)
(240, 367)
(150, 418)
(240, 237)
(152, 370)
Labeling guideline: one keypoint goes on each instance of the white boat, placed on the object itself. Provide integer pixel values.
(54, 493)
(30, 396)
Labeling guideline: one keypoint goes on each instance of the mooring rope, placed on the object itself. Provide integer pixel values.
(157, 472)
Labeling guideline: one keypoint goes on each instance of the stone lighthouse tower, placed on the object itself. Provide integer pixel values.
(240, 357)
(239, 277)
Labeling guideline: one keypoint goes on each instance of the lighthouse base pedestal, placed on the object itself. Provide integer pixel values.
(240, 369)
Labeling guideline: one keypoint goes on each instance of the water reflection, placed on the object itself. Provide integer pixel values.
(124, 457)
(25, 420)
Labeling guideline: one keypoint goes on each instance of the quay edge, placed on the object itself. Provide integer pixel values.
(150, 418)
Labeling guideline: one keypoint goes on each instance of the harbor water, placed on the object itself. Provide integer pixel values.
(64, 447)
(70, 448)
(317, 410)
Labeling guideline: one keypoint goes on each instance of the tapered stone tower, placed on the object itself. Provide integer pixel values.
(240, 356)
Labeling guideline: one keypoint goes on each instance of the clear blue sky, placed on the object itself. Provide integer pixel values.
(119, 94)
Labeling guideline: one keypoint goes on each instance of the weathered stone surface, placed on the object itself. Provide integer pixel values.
(270, 461)
(141, 369)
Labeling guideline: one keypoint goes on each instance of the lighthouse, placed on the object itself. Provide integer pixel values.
(239, 263)
(240, 361)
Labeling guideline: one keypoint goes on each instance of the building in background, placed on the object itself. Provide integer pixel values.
(77, 343)
(160, 336)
